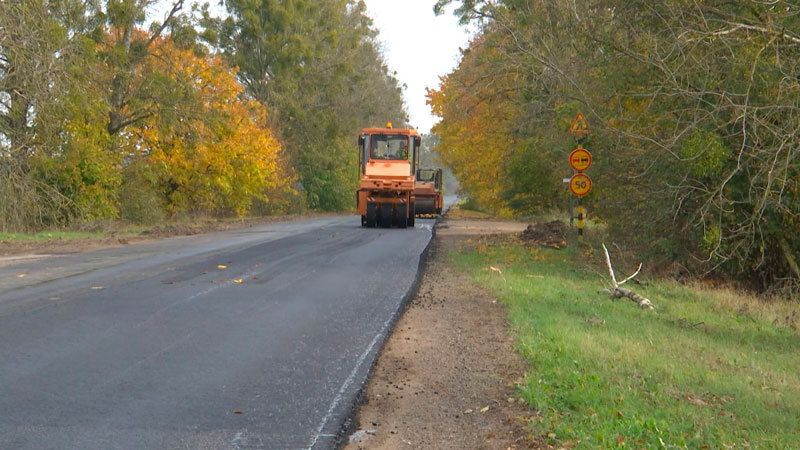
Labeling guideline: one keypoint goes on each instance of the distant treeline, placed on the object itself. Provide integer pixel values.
(695, 113)
(106, 113)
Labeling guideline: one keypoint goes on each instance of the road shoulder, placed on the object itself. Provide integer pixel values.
(117, 234)
(447, 376)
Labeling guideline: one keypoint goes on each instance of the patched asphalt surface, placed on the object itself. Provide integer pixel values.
(157, 346)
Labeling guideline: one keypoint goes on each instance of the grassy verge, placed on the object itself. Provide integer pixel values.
(698, 372)
(45, 236)
(122, 229)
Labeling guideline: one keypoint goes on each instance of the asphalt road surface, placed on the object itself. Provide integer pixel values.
(259, 338)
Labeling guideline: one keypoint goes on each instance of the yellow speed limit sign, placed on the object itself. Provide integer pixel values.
(580, 184)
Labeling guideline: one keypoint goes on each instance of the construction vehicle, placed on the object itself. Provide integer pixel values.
(388, 162)
(428, 192)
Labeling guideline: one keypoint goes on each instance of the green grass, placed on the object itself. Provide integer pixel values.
(44, 236)
(695, 373)
(123, 229)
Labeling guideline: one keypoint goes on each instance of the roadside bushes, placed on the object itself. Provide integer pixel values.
(693, 111)
(106, 113)
(119, 122)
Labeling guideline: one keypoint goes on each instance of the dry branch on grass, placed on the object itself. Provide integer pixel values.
(618, 292)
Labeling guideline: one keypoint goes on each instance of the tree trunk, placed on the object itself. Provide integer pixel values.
(787, 253)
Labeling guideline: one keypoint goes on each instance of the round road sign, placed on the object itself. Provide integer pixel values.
(580, 159)
(580, 184)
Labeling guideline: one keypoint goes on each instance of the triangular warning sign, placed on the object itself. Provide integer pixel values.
(579, 125)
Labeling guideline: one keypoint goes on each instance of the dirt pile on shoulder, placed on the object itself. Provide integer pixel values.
(168, 230)
(551, 234)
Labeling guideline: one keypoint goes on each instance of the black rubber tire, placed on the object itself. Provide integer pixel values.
(386, 215)
(402, 215)
(412, 216)
(372, 215)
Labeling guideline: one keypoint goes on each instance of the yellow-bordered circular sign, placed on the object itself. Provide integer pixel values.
(580, 184)
(580, 159)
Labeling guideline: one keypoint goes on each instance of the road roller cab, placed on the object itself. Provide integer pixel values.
(388, 162)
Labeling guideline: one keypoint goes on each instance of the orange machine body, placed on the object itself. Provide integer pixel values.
(388, 161)
(428, 192)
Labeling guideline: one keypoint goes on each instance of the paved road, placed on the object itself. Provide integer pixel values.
(153, 346)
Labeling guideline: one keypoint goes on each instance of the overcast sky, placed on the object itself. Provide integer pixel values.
(419, 46)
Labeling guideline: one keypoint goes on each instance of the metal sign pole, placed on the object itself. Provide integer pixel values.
(580, 159)
(571, 212)
(580, 203)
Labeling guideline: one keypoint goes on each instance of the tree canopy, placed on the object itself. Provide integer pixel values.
(315, 63)
(694, 108)
(108, 111)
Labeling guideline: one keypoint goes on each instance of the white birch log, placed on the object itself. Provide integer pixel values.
(618, 292)
(643, 303)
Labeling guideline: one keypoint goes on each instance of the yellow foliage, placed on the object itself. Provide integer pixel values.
(219, 155)
(474, 131)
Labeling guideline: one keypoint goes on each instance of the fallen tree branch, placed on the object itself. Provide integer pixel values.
(618, 292)
(641, 301)
(630, 277)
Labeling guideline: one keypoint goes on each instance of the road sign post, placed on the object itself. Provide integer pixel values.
(580, 184)
(580, 160)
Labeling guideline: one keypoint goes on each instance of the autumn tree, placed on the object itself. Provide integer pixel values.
(317, 66)
(101, 118)
(46, 115)
(219, 159)
(694, 107)
(482, 134)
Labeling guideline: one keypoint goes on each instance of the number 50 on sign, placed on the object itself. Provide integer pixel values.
(580, 184)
